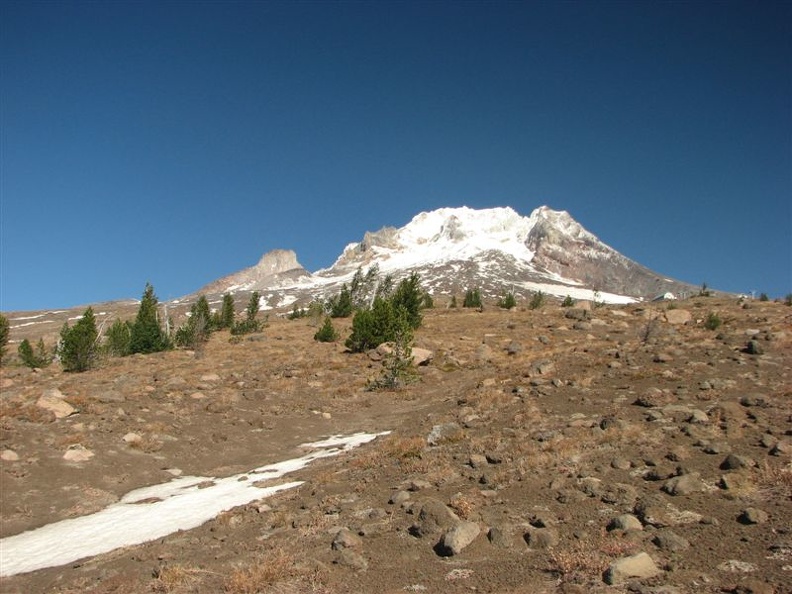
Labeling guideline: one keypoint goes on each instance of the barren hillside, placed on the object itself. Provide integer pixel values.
(621, 448)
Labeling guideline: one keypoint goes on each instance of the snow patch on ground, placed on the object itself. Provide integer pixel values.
(153, 512)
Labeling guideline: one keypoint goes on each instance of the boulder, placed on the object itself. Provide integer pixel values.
(640, 566)
(457, 538)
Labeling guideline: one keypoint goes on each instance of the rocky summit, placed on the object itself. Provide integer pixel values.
(599, 448)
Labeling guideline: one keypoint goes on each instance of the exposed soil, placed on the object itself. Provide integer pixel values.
(538, 428)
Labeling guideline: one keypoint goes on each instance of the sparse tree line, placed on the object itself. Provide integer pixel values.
(81, 345)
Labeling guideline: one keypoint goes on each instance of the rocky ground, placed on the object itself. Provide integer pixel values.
(613, 449)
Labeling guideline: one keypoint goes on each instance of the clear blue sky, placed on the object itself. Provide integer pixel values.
(176, 142)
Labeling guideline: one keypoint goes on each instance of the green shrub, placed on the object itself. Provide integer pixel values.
(398, 370)
(409, 298)
(568, 302)
(788, 299)
(713, 321)
(78, 347)
(428, 302)
(453, 303)
(297, 313)
(763, 297)
(340, 306)
(472, 298)
(704, 291)
(5, 329)
(326, 333)
(34, 359)
(225, 319)
(507, 301)
(537, 300)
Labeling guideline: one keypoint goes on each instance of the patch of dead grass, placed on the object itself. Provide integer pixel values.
(274, 567)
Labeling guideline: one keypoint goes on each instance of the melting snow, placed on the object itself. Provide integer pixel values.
(153, 512)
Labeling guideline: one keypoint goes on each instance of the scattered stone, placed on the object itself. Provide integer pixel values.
(434, 518)
(753, 515)
(132, 438)
(445, 433)
(654, 397)
(457, 538)
(678, 316)
(210, 377)
(621, 463)
(735, 462)
(399, 497)
(625, 522)
(9, 456)
(478, 461)
(753, 347)
(782, 448)
(640, 566)
(78, 454)
(753, 586)
(514, 348)
(421, 356)
(684, 485)
(111, 396)
(351, 559)
(670, 541)
(501, 536)
(698, 417)
(346, 539)
(541, 538)
(52, 400)
(737, 566)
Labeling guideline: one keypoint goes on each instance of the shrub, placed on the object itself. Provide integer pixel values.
(507, 301)
(428, 302)
(713, 321)
(472, 298)
(398, 368)
(788, 299)
(78, 346)
(763, 297)
(704, 291)
(118, 339)
(568, 302)
(5, 329)
(38, 359)
(147, 336)
(297, 313)
(326, 333)
(537, 300)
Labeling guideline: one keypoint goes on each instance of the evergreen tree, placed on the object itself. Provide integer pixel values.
(507, 301)
(472, 298)
(37, 359)
(409, 297)
(453, 303)
(147, 335)
(537, 300)
(250, 323)
(567, 302)
(78, 347)
(382, 323)
(326, 333)
(198, 326)
(5, 329)
(341, 305)
(118, 339)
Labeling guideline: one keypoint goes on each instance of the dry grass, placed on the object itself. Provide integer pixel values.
(588, 559)
(263, 574)
(775, 479)
(25, 412)
(147, 443)
(172, 579)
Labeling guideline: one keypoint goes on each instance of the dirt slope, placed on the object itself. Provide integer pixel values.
(537, 449)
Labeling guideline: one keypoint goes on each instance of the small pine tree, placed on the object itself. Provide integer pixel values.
(507, 301)
(297, 313)
(409, 297)
(326, 333)
(713, 321)
(398, 370)
(428, 302)
(568, 302)
(118, 339)
(250, 323)
(78, 347)
(453, 303)
(472, 298)
(147, 335)
(704, 291)
(198, 327)
(788, 299)
(226, 316)
(5, 329)
(537, 300)
(763, 297)
(341, 306)
(34, 359)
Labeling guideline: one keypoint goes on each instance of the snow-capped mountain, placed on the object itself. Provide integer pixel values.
(455, 249)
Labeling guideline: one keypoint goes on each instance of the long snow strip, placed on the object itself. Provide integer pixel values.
(153, 512)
